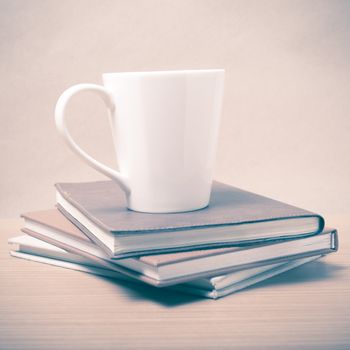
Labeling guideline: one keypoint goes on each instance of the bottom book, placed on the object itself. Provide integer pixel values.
(31, 248)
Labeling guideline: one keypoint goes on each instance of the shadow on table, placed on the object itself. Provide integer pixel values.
(311, 272)
(314, 271)
(164, 296)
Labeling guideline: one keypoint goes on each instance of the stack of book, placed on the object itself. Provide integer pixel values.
(240, 239)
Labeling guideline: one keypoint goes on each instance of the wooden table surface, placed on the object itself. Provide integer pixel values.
(46, 307)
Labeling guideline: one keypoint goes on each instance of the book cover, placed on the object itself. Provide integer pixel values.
(57, 230)
(233, 217)
(30, 248)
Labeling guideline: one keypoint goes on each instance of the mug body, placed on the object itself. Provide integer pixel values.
(165, 129)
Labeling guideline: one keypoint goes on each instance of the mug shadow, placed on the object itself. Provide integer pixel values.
(313, 271)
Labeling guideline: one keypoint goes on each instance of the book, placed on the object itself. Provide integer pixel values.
(30, 248)
(173, 268)
(233, 217)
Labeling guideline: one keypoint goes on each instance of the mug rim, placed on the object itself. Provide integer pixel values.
(161, 72)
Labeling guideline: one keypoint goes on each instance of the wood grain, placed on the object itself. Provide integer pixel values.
(46, 307)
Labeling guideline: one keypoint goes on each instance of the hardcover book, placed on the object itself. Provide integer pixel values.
(234, 217)
(173, 268)
(30, 248)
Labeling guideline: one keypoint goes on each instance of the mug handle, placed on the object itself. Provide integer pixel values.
(60, 113)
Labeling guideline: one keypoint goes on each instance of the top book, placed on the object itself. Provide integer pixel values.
(233, 217)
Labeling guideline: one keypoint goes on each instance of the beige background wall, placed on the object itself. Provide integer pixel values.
(285, 128)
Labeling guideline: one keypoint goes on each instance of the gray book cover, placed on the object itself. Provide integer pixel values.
(103, 202)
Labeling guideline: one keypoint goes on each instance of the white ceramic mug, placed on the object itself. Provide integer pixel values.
(165, 128)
